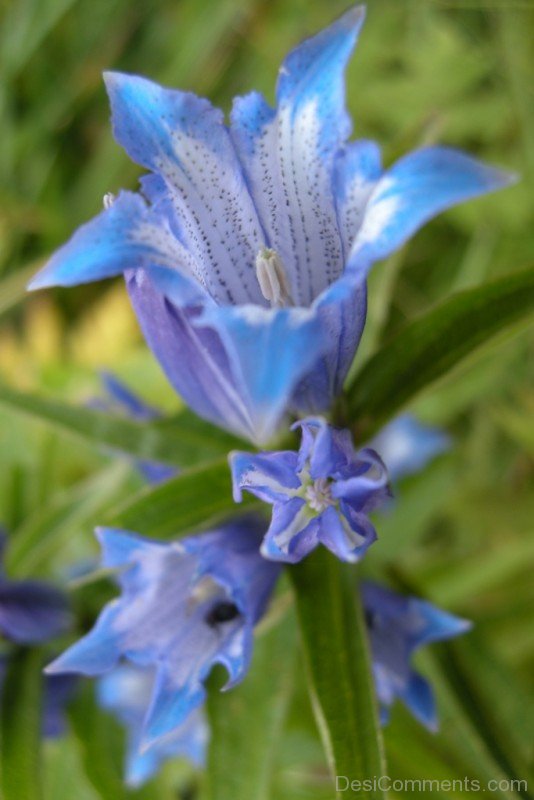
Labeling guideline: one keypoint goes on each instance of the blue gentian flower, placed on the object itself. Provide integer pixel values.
(126, 691)
(406, 445)
(119, 398)
(320, 495)
(397, 627)
(246, 253)
(31, 611)
(184, 606)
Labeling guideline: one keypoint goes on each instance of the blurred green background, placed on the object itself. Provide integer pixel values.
(460, 73)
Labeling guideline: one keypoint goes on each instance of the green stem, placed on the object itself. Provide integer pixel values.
(339, 670)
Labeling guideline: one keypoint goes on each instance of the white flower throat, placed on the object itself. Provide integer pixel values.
(318, 495)
(272, 278)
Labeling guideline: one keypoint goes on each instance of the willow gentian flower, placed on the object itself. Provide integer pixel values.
(246, 255)
(320, 495)
(184, 606)
(31, 611)
(126, 691)
(397, 627)
(406, 445)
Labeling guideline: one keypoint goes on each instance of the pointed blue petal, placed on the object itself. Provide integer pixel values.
(95, 653)
(413, 191)
(292, 534)
(255, 340)
(288, 156)
(119, 547)
(348, 537)
(170, 706)
(269, 476)
(126, 399)
(183, 139)
(430, 624)
(419, 698)
(125, 235)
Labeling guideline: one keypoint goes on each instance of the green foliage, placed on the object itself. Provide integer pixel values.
(447, 314)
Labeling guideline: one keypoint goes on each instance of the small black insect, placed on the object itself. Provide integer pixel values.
(220, 613)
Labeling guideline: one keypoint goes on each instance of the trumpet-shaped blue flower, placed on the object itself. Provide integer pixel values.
(184, 606)
(246, 254)
(406, 446)
(397, 627)
(320, 495)
(126, 691)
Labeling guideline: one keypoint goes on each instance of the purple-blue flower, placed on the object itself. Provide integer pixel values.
(321, 494)
(126, 691)
(184, 606)
(397, 627)
(406, 445)
(57, 692)
(246, 253)
(31, 611)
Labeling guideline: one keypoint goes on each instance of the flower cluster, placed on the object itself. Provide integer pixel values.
(245, 256)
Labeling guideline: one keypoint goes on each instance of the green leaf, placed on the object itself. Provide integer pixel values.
(40, 538)
(504, 727)
(246, 723)
(338, 664)
(427, 348)
(197, 497)
(182, 440)
(21, 727)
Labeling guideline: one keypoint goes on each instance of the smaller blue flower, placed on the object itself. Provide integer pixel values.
(320, 495)
(126, 691)
(184, 607)
(406, 446)
(31, 611)
(397, 627)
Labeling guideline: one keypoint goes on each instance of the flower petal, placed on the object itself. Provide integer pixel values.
(183, 138)
(193, 358)
(127, 234)
(269, 351)
(288, 156)
(430, 624)
(270, 476)
(292, 534)
(413, 191)
(419, 698)
(348, 535)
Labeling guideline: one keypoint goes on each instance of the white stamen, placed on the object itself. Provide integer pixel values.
(108, 200)
(272, 278)
(319, 496)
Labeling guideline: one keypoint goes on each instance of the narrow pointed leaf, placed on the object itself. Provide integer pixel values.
(197, 497)
(182, 440)
(338, 665)
(430, 346)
